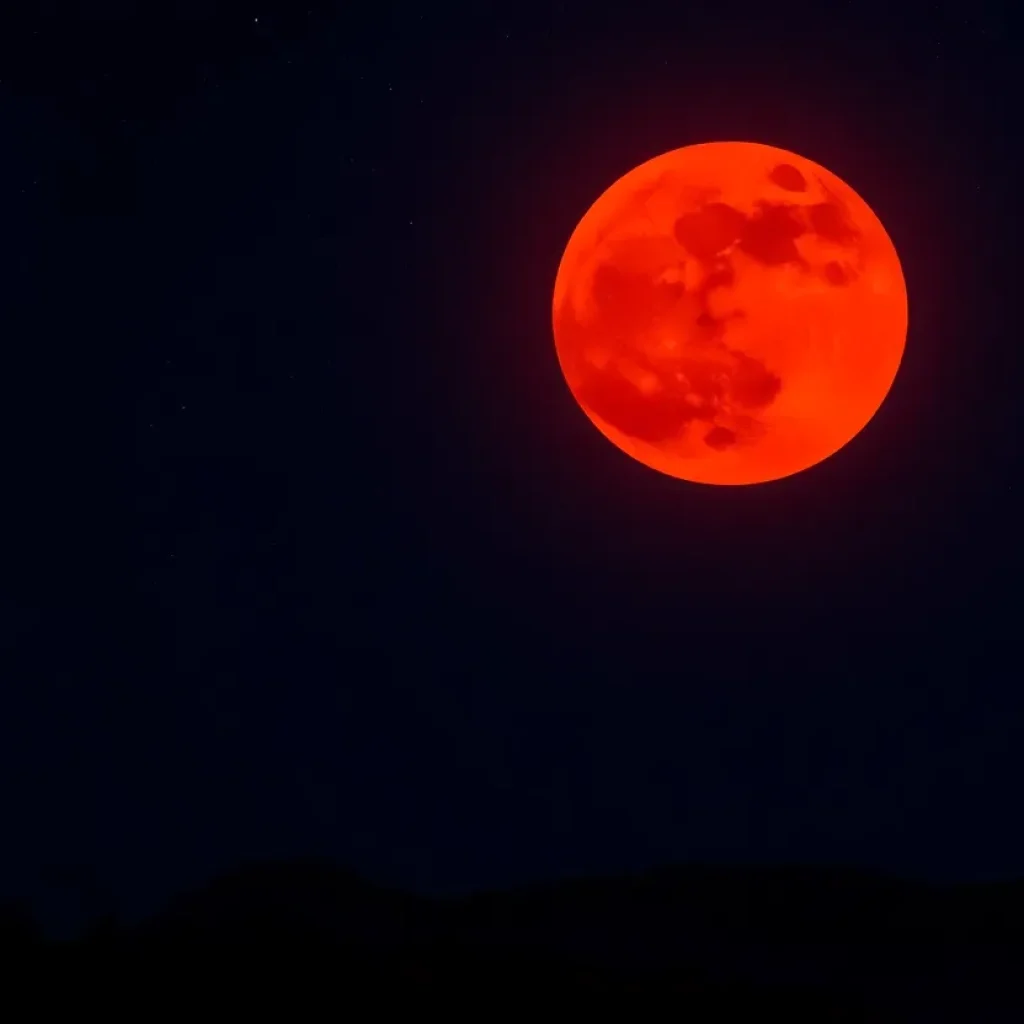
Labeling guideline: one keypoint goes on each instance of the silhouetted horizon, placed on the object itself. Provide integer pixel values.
(845, 938)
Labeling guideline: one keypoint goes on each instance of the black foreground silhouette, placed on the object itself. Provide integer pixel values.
(693, 943)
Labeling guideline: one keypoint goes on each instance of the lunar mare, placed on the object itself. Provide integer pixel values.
(730, 313)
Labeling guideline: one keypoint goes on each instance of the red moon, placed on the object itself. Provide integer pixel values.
(730, 313)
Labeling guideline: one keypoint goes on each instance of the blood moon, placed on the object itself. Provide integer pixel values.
(730, 313)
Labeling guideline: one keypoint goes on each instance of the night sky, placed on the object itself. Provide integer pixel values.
(307, 548)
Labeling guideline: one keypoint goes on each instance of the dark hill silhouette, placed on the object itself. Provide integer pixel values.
(311, 898)
(18, 930)
(725, 943)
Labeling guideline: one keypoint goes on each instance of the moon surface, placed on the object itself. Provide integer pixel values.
(730, 313)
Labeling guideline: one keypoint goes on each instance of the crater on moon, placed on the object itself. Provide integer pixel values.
(708, 304)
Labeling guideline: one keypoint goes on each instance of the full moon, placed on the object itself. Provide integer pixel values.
(730, 313)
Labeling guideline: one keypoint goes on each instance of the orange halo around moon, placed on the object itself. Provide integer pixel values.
(730, 313)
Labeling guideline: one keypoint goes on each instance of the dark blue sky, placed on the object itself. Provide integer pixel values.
(309, 549)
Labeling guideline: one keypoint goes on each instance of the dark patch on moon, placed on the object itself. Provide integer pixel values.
(752, 384)
(720, 438)
(788, 177)
(770, 235)
(691, 390)
(720, 277)
(829, 221)
(652, 418)
(708, 231)
(835, 274)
